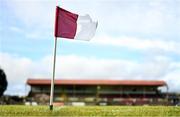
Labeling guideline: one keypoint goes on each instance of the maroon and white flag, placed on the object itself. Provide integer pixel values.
(72, 26)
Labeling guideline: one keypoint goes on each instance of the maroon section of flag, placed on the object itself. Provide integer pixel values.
(65, 23)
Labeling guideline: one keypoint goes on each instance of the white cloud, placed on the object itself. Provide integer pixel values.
(31, 34)
(34, 12)
(18, 69)
(16, 29)
(36, 17)
(173, 80)
(139, 43)
(142, 17)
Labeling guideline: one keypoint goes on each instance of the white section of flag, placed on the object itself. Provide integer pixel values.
(86, 28)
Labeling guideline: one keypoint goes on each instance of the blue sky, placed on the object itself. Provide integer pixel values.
(135, 39)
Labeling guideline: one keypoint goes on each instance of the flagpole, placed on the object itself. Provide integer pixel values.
(54, 66)
(53, 77)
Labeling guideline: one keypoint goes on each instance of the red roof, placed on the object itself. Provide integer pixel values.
(97, 82)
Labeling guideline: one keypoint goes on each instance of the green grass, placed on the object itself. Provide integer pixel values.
(90, 111)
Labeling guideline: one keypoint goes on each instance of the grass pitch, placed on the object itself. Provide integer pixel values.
(139, 111)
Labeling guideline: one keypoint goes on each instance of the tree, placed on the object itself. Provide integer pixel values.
(3, 82)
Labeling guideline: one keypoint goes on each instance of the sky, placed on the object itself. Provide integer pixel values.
(135, 40)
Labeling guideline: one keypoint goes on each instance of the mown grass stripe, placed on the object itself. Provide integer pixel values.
(140, 111)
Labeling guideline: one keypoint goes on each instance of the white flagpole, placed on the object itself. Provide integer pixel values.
(54, 72)
(53, 77)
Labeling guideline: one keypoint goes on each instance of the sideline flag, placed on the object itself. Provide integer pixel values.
(72, 26)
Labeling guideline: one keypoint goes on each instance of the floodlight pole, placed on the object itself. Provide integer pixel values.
(53, 76)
